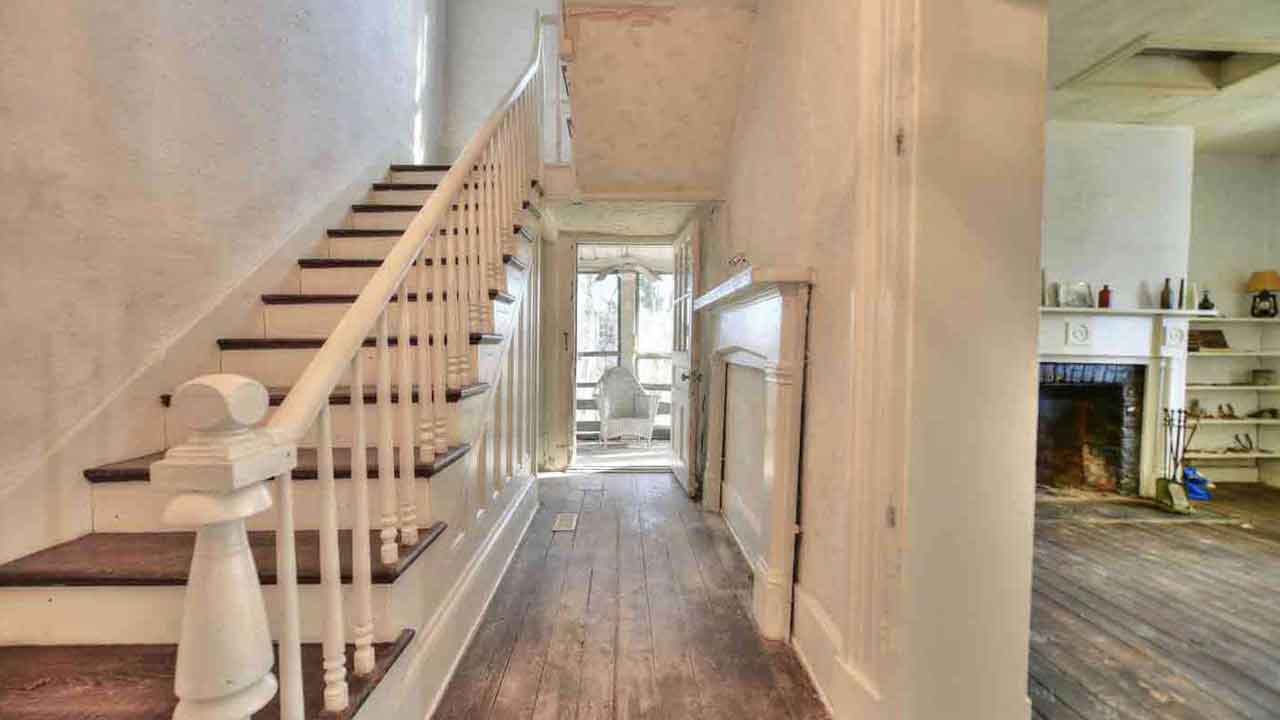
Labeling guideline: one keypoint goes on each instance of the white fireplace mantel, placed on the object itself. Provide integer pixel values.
(1156, 339)
(758, 319)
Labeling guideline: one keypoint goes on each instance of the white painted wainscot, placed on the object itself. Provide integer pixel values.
(756, 321)
(1156, 339)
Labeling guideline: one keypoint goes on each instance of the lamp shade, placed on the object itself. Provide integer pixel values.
(1263, 280)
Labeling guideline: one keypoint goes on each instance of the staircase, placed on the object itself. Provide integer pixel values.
(336, 505)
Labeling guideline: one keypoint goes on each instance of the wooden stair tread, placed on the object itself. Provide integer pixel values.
(135, 682)
(293, 343)
(164, 559)
(139, 469)
(416, 167)
(326, 263)
(409, 186)
(401, 207)
(341, 395)
(362, 232)
(348, 298)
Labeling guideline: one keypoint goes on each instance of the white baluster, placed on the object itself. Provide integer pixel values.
(459, 335)
(509, 443)
(504, 202)
(524, 146)
(523, 167)
(292, 705)
(439, 356)
(532, 144)
(408, 459)
(484, 242)
(479, 293)
(220, 473)
(498, 436)
(426, 379)
(390, 553)
(528, 381)
(334, 645)
(361, 570)
(504, 137)
(495, 220)
(521, 341)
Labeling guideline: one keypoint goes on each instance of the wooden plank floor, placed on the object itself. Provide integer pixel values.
(640, 613)
(1157, 617)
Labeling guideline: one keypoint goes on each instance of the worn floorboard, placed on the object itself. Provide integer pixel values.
(639, 613)
(1139, 615)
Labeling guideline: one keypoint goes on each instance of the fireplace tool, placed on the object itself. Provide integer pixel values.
(1179, 429)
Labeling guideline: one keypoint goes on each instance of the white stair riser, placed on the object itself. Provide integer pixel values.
(281, 367)
(124, 615)
(399, 197)
(135, 507)
(382, 220)
(361, 248)
(343, 422)
(365, 248)
(317, 320)
(341, 280)
(416, 176)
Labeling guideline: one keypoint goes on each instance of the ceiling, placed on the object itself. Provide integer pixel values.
(658, 258)
(654, 91)
(1093, 75)
(647, 219)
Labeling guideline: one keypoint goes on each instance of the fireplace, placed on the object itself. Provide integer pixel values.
(1089, 431)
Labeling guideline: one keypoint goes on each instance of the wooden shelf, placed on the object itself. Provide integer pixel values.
(1235, 320)
(1231, 456)
(1234, 388)
(1241, 421)
(1237, 353)
(1141, 312)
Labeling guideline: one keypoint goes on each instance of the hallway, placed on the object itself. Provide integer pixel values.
(642, 612)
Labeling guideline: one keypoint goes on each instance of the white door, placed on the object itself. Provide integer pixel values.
(684, 379)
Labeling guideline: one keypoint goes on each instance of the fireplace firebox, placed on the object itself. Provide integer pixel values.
(1089, 431)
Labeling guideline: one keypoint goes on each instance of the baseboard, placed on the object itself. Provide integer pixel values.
(817, 640)
(766, 592)
(417, 682)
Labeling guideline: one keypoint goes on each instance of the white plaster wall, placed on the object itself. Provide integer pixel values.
(1235, 225)
(655, 93)
(793, 206)
(969, 503)
(153, 159)
(1117, 208)
(490, 42)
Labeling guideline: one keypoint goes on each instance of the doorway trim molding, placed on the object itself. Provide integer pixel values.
(758, 319)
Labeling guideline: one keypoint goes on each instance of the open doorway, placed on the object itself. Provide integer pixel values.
(625, 326)
(1157, 535)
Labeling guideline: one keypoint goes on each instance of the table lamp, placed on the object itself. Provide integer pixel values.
(1262, 283)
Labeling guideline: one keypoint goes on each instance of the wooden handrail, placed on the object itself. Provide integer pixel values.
(311, 392)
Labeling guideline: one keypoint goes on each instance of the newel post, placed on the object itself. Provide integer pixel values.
(224, 656)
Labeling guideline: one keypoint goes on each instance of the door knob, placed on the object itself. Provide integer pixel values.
(684, 376)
